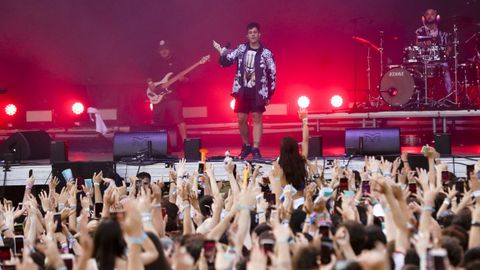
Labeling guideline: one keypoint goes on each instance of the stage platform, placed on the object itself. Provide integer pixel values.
(87, 145)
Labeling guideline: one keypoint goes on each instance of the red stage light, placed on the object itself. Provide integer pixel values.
(303, 102)
(78, 108)
(336, 101)
(232, 104)
(151, 106)
(10, 109)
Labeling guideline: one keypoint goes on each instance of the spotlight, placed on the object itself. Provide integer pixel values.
(10, 109)
(151, 106)
(78, 108)
(336, 101)
(232, 104)
(303, 102)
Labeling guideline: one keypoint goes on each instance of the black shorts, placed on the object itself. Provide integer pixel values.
(168, 113)
(247, 104)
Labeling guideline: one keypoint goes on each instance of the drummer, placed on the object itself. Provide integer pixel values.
(430, 28)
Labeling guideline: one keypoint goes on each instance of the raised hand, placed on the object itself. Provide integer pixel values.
(98, 178)
(45, 201)
(53, 183)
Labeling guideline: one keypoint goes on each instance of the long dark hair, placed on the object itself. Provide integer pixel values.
(161, 262)
(292, 163)
(108, 244)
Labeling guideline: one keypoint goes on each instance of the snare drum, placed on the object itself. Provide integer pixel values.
(435, 53)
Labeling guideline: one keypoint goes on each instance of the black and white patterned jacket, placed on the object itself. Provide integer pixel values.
(265, 71)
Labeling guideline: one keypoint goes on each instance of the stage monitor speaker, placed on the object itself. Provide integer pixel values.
(372, 141)
(58, 151)
(134, 144)
(27, 145)
(315, 147)
(191, 149)
(443, 143)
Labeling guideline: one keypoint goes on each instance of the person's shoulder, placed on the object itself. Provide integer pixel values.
(420, 29)
(266, 52)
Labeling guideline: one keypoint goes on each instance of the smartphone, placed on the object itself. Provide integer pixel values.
(445, 178)
(269, 197)
(18, 229)
(88, 183)
(58, 219)
(99, 209)
(18, 245)
(437, 257)
(470, 171)
(326, 250)
(412, 187)
(68, 260)
(201, 168)
(67, 174)
(460, 186)
(365, 187)
(209, 251)
(343, 184)
(30, 173)
(267, 245)
(5, 253)
(324, 230)
(348, 194)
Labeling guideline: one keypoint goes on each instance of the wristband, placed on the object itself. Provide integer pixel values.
(139, 240)
(73, 206)
(476, 193)
(475, 224)
(157, 205)
(428, 208)
(63, 267)
(285, 222)
(386, 210)
(61, 206)
(96, 184)
(146, 217)
(446, 201)
(28, 186)
(387, 174)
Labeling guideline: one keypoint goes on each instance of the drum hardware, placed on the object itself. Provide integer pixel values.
(369, 45)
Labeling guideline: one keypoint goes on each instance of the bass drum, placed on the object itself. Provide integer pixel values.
(397, 87)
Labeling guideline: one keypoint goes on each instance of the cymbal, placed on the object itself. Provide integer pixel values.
(366, 42)
(424, 38)
(459, 19)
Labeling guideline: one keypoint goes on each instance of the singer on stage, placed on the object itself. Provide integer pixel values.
(253, 86)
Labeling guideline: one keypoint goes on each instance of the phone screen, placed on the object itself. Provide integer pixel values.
(343, 184)
(459, 186)
(269, 197)
(57, 218)
(209, 250)
(5, 253)
(99, 209)
(445, 178)
(88, 183)
(326, 250)
(201, 168)
(324, 230)
(18, 245)
(412, 187)
(365, 187)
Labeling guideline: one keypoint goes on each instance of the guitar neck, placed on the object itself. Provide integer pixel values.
(181, 74)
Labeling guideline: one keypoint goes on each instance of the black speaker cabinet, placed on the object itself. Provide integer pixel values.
(28, 145)
(372, 141)
(443, 143)
(191, 148)
(315, 147)
(58, 151)
(134, 144)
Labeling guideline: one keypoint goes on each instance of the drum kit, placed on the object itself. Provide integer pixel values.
(430, 77)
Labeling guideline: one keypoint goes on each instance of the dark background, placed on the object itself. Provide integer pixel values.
(56, 51)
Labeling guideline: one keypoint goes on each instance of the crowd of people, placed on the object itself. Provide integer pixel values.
(388, 216)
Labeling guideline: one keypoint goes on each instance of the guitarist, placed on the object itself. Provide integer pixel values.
(168, 112)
